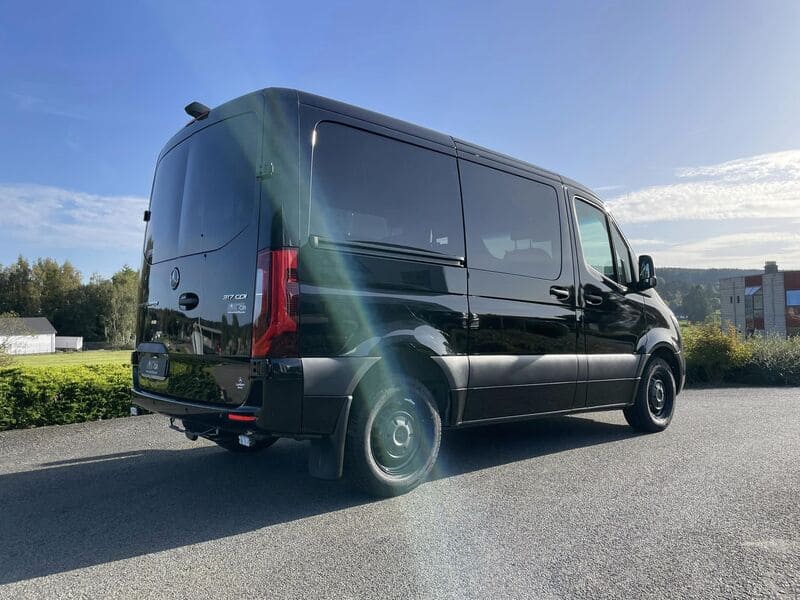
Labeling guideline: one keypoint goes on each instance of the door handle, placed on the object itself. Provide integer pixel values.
(592, 299)
(561, 293)
(470, 321)
(188, 301)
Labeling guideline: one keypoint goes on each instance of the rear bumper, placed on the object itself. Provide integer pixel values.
(181, 408)
(320, 414)
(277, 401)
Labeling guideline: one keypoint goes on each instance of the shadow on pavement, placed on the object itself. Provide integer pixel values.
(77, 513)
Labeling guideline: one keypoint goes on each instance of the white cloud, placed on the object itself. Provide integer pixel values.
(608, 188)
(762, 186)
(733, 214)
(780, 165)
(642, 242)
(63, 218)
(747, 249)
(743, 240)
(27, 102)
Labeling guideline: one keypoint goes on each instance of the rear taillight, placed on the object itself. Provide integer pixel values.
(276, 304)
(242, 418)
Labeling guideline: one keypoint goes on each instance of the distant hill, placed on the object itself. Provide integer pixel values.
(699, 276)
(694, 292)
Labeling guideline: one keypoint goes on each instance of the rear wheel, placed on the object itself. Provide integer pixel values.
(393, 437)
(655, 399)
(231, 444)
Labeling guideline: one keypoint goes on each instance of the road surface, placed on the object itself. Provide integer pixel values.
(572, 507)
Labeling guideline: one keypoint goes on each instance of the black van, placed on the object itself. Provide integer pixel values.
(317, 271)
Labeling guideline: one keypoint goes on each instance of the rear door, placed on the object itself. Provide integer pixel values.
(523, 331)
(198, 273)
(613, 322)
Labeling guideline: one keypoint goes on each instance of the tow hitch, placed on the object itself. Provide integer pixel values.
(248, 440)
(192, 435)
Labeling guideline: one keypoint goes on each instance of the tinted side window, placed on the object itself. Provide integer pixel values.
(204, 190)
(593, 229)
(220, 187)
(367, 187)
(623, 258)
(512, 223)
(165, 205)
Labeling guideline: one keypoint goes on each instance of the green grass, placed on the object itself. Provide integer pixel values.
(59, 359)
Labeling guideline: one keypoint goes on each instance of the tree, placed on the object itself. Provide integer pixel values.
(85, 310)
(18, 291)
(54, 283)
(696, 304)
(102, 310)
(121, 317)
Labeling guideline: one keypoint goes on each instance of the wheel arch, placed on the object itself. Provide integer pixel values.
(667, 353)
(441, 375)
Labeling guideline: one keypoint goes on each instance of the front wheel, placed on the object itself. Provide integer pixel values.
(655, 399)
(393, 437)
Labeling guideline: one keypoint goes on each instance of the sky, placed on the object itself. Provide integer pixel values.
(683, 116)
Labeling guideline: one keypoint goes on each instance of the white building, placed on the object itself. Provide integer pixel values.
(27, 335)
(69, 343)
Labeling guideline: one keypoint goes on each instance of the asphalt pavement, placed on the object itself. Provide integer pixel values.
(570, 507)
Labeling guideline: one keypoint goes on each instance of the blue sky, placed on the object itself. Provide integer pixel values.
(685, 116)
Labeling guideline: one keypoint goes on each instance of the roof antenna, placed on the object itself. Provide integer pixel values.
(198, 110)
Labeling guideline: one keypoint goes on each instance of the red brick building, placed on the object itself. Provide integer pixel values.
(768, 303)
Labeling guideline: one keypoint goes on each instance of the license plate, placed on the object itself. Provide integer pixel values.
(153, 367)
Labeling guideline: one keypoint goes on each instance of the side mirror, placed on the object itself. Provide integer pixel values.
(647, 273)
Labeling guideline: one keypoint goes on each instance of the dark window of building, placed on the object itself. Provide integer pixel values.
(731, 299)
(754, 308)
(370, 188)
(758, 309)
(593, 229)
(512, 223)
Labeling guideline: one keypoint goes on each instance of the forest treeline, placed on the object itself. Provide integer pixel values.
(104, 309)
(100, 310)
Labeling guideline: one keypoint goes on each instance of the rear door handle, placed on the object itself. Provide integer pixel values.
(561, 293)
(188, 301)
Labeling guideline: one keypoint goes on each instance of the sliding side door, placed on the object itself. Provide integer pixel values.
(522, 335)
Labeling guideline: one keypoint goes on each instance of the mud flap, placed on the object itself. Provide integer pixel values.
(326, 457)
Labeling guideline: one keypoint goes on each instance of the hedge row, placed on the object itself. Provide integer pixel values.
(35, 396)
(715, 355)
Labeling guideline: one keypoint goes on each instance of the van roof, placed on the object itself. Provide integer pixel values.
(349, 110)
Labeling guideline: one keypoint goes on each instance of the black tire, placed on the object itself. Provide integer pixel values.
(231, 444)
(655, 400)
(393, 437)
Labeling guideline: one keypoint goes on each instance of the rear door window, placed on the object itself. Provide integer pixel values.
(204, 191)
(370, 188)
(512, 223)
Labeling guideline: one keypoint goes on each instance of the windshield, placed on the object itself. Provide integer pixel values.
(204, 190)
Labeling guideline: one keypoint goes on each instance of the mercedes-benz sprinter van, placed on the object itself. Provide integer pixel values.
(317, 271)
